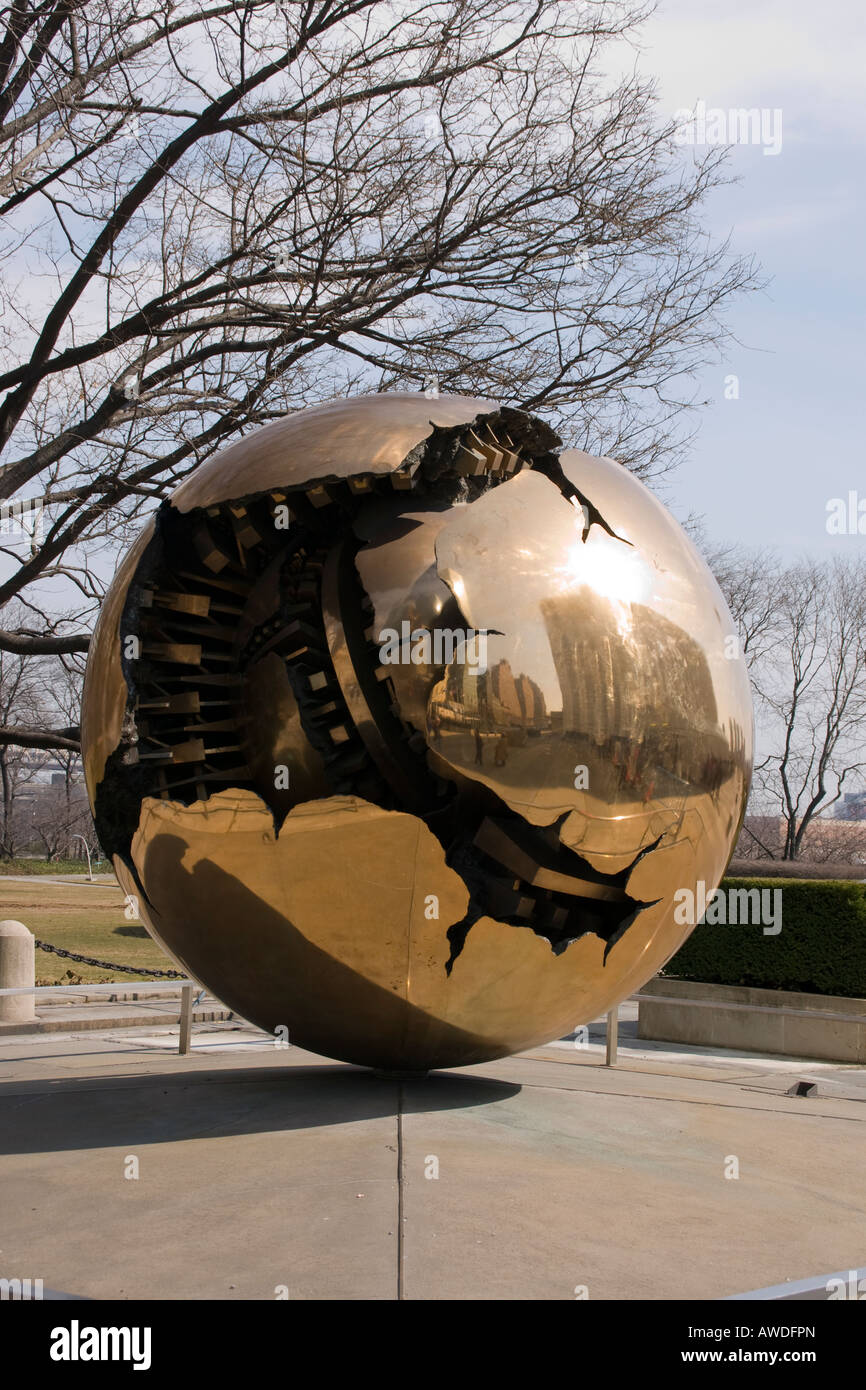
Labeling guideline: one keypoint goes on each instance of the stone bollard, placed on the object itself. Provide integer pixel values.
(17, 971)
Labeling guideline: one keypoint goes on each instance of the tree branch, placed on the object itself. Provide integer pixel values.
(68, 739)
(25, 644)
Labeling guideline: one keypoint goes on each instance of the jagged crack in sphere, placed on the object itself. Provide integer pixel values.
(404, 725)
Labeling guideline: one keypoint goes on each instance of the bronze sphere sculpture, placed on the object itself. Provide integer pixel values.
(404, 725)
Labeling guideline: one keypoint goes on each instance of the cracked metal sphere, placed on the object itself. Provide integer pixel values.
(405, 725)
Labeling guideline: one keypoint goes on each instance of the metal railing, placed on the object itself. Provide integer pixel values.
(187, 989)
(187, 1004)
(820, 1288)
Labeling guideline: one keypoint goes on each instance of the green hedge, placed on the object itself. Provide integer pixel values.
(821, 948)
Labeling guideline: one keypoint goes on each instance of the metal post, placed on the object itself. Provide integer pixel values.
(612, 1037)
(185, 1020)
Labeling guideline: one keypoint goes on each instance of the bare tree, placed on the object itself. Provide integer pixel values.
(61, 704)
(753, 582)
(804, 634)
(216, 213)
(19, 693)
(58, 815)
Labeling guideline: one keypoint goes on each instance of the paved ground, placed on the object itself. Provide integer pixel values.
(262, 1169)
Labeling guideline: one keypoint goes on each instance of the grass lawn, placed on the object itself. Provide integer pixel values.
(84, 918)
(50, 866)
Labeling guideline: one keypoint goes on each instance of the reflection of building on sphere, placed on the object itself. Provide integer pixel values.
(285, 803)
(643, 702)
(494, 699)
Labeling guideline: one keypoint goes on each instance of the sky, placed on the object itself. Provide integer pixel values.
(764, 465)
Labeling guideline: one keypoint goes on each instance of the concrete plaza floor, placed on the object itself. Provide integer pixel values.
(264, 1172)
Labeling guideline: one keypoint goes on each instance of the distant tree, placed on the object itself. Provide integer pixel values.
(803, 628)
(59, 813)
(19, 698)
(753, 583)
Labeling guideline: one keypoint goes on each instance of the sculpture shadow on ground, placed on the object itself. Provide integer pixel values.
(172, 1106)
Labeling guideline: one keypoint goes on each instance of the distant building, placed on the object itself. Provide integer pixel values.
(828, 839)
(851, 806)
(517, 700)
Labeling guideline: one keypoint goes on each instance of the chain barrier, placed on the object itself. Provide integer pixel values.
(110, 965)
